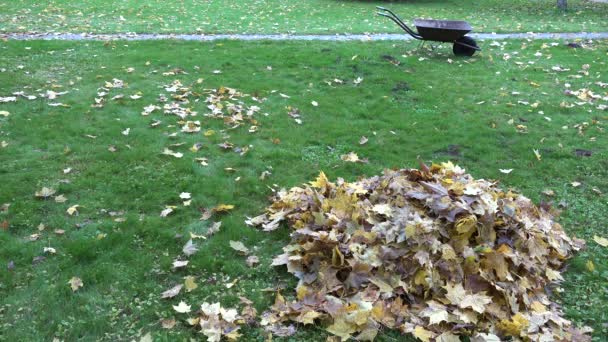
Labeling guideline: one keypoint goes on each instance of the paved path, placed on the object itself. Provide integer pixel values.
(337, 37)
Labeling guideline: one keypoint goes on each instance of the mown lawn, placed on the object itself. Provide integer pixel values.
(290, 16)
(485, 113)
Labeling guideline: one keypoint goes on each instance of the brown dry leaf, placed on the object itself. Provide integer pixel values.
(168, 323)
(220, 208)
(216, 322)
(75, 283)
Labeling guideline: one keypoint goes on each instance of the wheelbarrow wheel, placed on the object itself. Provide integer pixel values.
(461, 49)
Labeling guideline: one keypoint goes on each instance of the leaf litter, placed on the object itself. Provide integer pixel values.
(431, 252)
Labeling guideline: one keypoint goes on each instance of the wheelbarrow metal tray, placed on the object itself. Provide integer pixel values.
(442, 30)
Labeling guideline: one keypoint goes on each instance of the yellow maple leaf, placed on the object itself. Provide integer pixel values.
(342, 329)
(466, 225)
(514, 326)
(223, 208)
(45, 192)
(321, 181)
(423, 334)
(73, 210)
(308, 317)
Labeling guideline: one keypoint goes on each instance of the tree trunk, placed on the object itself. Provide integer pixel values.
(562, 4)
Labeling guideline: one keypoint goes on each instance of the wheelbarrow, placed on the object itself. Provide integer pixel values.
(445, 31)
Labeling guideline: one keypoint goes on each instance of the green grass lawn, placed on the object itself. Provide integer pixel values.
(485, 113)
(290, 16)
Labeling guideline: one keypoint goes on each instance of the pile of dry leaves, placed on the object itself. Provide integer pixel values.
(432, 252)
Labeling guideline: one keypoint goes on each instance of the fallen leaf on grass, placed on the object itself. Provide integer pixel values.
(537, 154)
(168, 323)
(73, 210)
(182, 307)
(215, 227)
(252, 261)
(223, 208)
(363, 140)
(169, 152)
(146, 338)
(75, 283)
(602, 241)
(205, 214)
(60, 199)
(166, 212)
(49, 250)
(172, 292)
(190, 248)
(239, 246)
(45, 193)
(4, 113)
(548, 192)
(352, 157)
(179, 263)
(190, 283)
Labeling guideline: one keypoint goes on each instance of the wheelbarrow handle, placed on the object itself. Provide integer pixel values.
(399, 22)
